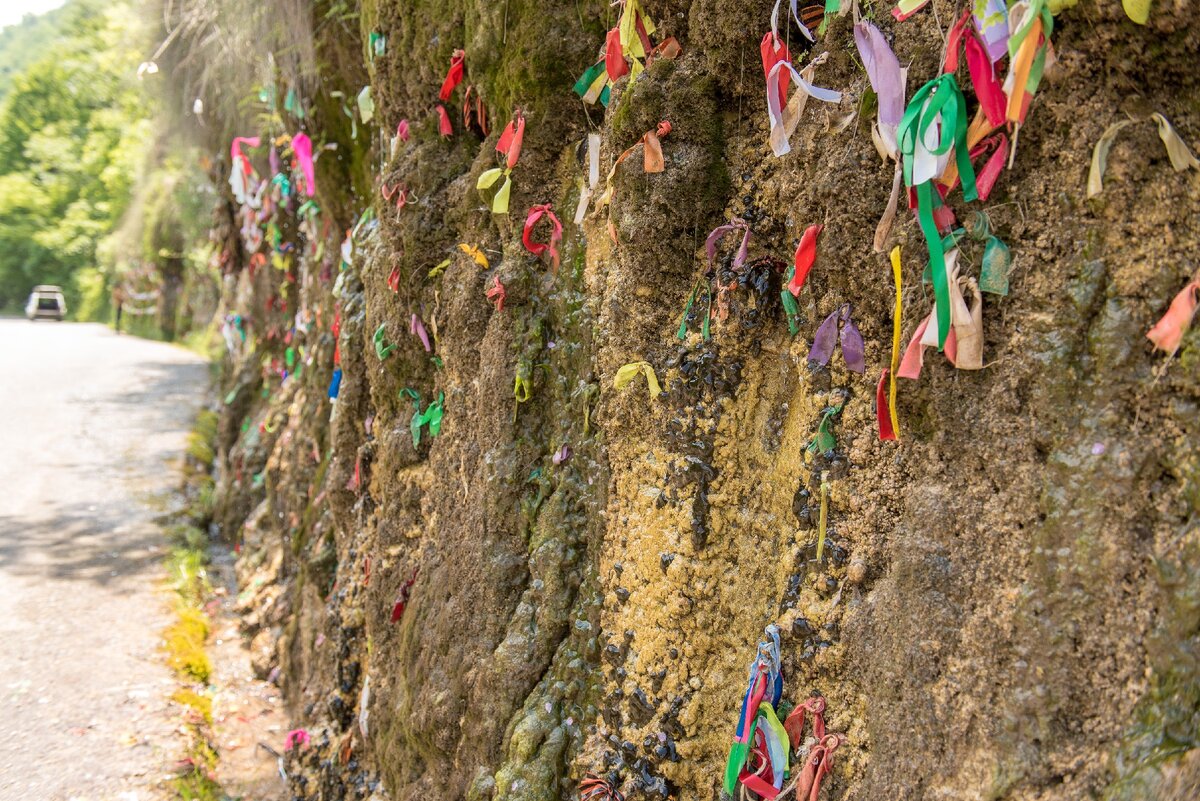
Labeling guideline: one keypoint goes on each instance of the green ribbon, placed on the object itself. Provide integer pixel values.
(824, 439)
(945, 101)
(382, 348)
(738, 753)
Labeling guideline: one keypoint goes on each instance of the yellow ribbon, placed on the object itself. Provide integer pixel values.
(475, 253)
(896, 321)
(630, 371)
(488, 179)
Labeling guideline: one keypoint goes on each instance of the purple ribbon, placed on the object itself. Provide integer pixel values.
(853, 350)
(417, 327)
(710, 244)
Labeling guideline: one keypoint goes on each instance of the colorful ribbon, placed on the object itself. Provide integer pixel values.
(445, 129)
(593, 177)
(241, 173)
(934, 124)
(626, 373)
(476, 254)
(454, 75)
(828, 335)
(784, 120)
(538, 248)
(885, 404)
(1167, 334)
(1031, 24)
(509, 145)
(302, 147)
(382, 348)
(652, 158)
(887, 80)
(496, 293)
(417, 328)
(806, 254)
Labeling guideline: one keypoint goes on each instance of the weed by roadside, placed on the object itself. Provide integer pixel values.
(185, 639)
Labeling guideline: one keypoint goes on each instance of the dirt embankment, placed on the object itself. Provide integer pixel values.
(1005, 608)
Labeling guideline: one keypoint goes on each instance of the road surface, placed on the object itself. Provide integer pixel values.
(92, 426)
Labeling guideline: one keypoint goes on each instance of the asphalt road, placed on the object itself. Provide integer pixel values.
(92, 426)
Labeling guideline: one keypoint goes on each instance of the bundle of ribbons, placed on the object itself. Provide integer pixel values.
(759, 758)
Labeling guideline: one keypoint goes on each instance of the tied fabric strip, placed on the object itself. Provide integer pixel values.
(765, 685)
(302, 147)
(538, 248)
(417, 329)
(887, 80)
(934, 124)
(1030, 24)
(806, 255)
(988, 89)
(454, 75)
(804, 29)
(496, 293)
(241, 171)
(710, 244)
(991, 23)
(626, 373)
(509, 146)
(885, 405)
(445, 129)
(1167, 334)
(784, 120)
(593, 178)
(652, 159)
(851, 340)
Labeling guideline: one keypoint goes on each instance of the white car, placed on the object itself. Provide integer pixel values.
(46, 303)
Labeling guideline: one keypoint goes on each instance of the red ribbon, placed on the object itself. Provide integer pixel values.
(538, 248)
(988, 89)
(444, 127)
(496, 293)
(454, 75)
(794, 725)
(882, 409)
(614, 57)
(774, 50)
(510, 140)
(806, 254)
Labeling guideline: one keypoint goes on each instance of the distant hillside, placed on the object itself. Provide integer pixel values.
(25, 42)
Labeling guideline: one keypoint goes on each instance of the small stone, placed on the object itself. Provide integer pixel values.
(856, 572)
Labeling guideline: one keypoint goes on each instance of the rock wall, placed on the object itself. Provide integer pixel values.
(1006, 604)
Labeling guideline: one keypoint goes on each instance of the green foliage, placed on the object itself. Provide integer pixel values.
(74, 129)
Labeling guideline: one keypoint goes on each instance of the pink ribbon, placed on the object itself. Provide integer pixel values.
(302, 147)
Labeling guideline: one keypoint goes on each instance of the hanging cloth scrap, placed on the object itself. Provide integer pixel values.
(933, 128)
(887, 79)
(806, 255)
(242, 175)
(454, 75)
(828, 336)
(626, 374)
(509, 146)
(785, 118)
(417, 329)
(302, 147)
(1167, 334)
(496, 293)
(885, 403)
(383, 348)
(538, 248)
(593, 177)
(652, 159)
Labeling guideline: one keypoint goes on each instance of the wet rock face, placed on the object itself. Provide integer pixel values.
(1004, 601)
